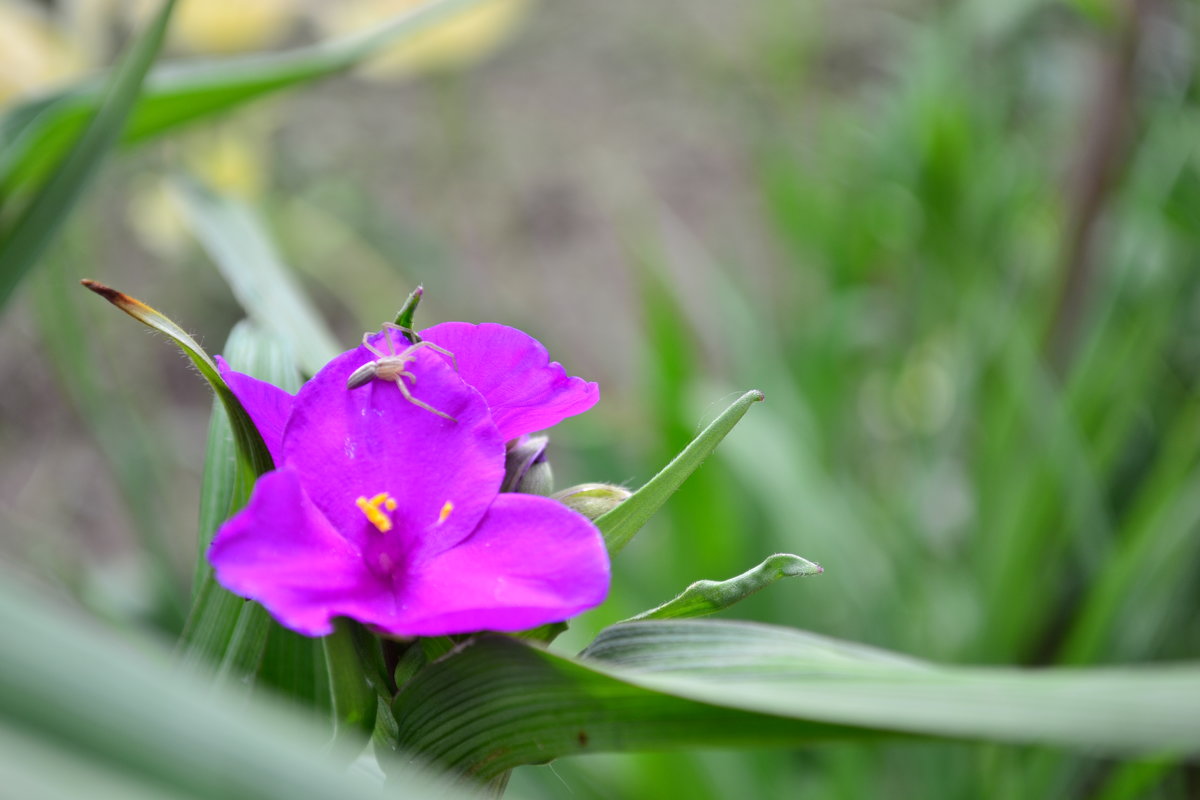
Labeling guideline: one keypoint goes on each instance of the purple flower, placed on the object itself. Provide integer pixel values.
(385, 512)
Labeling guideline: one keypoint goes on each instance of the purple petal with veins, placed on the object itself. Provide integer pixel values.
(389, 513)
(525, 390)
(268, 406)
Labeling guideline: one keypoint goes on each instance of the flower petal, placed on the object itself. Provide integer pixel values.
(352, 443)
(281, 551)
(268, 406)
(531, 561)
(526, 391)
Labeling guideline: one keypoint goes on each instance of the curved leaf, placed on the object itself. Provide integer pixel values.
(133, 451)
(37, 133)
(34, 768)
(223, 629)
(496, 703)
(97, 708)
(253, 454)
(708, 597)
(621, 524)
(404, 317)
(27, 234)
(252, 267)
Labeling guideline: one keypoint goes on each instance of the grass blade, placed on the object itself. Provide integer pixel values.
(224, 630)
(252, 452)
(496, 703)
(221, 629)
(39, 133)
(29, 233)
(709, 597)
(620, 525)
(263, 285)
(101, 704)
(35, 768)
(134, 454)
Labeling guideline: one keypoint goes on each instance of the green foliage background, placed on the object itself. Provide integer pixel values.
(955, 245)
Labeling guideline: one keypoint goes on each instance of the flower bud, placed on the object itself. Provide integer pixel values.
(593, 500)
(526, 469)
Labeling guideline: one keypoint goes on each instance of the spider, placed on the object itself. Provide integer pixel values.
(390, 366)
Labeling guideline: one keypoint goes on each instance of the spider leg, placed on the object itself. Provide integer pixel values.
(408, 396)
(409, 334)
(367, 344)
(400, 328)
(406, 374)
(435, 348)
(387, 337)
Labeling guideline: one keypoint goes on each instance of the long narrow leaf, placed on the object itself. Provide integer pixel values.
(225, 631)
(221, 629)
(106, 706)
(621, 524)
(497, 703)
(709, 597)
(32, 767)
(264, 287)
(352, 695)
(38, 133)
(251, 449)
(26, 237)
(138, 463)
(781, 671)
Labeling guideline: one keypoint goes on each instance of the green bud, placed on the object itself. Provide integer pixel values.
(526, 469)
(404, 317)
(593, 500)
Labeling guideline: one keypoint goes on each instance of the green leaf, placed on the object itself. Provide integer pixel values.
(252, 452)
(28, 233)
(621, 524)
(410, 662)
(221, 629)
(133, 452)
(104, 708)
(253, 352)
(404, 317)
(708, 597)
(247, 646)
(354, 698)
(250, 264)
(496, 703)
(236, 636)
(788, 672)
(35, 768)
(294, 666)
(38, 133)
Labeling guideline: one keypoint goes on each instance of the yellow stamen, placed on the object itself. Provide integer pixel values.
(370, 508)
(445, 513)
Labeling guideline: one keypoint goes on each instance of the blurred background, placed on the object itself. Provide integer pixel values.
(955, 243)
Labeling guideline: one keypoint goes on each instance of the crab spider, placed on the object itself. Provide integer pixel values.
(390, 366)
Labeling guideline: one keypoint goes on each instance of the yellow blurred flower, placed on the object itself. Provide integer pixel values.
(224, 26)
(156, 218)
(462, 40)
(229, 159)
(33, 54)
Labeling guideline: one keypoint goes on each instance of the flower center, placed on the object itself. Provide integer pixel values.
(376, 515)
(447, 509)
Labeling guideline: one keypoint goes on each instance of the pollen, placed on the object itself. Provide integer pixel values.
(447, 509)
(374, 514)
